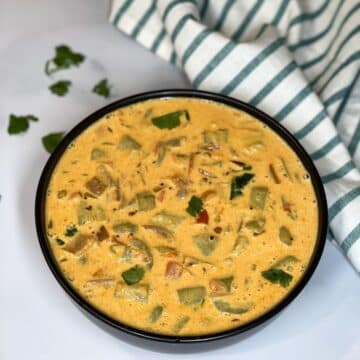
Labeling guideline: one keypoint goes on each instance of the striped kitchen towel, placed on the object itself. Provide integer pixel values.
(297, 60)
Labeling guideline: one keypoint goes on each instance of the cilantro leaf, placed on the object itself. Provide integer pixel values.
(102, 88)
(133, 275)
(19, 124)
(170, 120)
(60, 88)
(63, 59)
(71, 230)
(237, 184)
(51, 141)
(60, 242)
(277, 276)
(195, 206)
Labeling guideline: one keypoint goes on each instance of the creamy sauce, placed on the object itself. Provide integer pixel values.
(130, 241)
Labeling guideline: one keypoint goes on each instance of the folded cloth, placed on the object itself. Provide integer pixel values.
(297, 60)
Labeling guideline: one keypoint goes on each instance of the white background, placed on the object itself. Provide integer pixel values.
(37, 319)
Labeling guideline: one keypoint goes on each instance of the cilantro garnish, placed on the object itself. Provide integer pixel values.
(51, 141)
(71, 230)
(171, 120)
(63, 59)
(60, 88)
(237, 184)
(102, 88)
(133, 275)
(19, 124)
(195, 206)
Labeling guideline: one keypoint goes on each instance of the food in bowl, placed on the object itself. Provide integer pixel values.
(181, 216)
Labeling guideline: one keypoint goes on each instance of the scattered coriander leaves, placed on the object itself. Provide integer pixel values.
(237, 184)
(170, 120)
(63, 59)
(195, 206)
(19, 124)
(51, 141)
(102, 88)
(71, 230)
(60, 88)
(277, 276)
(60, 242)
(133, 275)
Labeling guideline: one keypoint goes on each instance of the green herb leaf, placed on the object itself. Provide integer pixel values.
(63, 59)
(133, 275)
(71, 230)
(195, 206)
(237, 184)
(60, 242)
(19, 124)
(51, 141)
(277, 276)
(170, 120)
(102, 88)
(60, 88)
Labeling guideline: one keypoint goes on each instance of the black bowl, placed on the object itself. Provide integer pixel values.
(120, 327)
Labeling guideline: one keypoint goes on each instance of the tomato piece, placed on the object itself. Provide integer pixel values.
(203, 217)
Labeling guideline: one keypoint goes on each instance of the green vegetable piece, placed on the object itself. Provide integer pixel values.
(277, 276)
(220, 136)
(137, 292)
(71, 230)
(258, 197)
(122, 250)
(195, 206)
(240, 245)
(156, 313)
(86, 214)
(166, 249)
(63, 59)
(133, 275)
(286, 262)
(19, 124)
(161, 153)
(225, 307)
(227, 281)
(145, 201)
(102, 88)
(238, 183)
(192, 295)
(179, 325)
(206, 243)
(255, 147)
(167, 220)
(161, 231)
(141, 245)
(285, 235)
(170, 120)
(60, 242)
(125, 227)
(222, 286)
(97, 153)
(128, 143)
(60, 88)
(256, 225)
(174, 142)
(51, 141)
(95, 186)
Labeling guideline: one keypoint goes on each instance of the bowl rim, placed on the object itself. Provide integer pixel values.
(182, 93)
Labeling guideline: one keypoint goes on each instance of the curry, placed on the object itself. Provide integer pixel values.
(181, 216)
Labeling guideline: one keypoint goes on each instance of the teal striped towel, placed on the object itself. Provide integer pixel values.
(297, 60)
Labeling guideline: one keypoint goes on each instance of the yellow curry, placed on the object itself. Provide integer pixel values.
(181, 216)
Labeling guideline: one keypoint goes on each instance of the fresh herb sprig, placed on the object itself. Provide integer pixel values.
(60, 88)
(19, 124)
(51, 141)
(64, 58)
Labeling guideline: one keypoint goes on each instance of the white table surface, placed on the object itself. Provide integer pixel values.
(37, 319)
